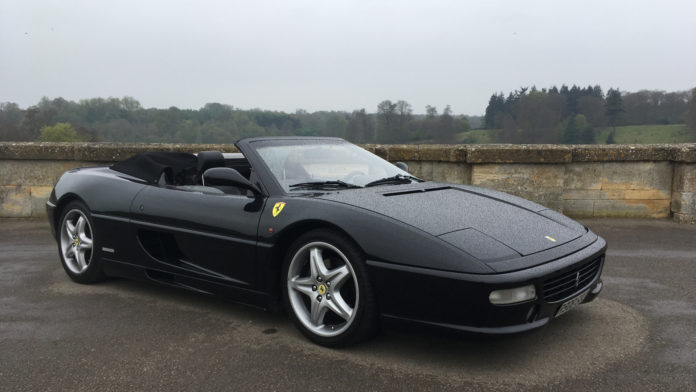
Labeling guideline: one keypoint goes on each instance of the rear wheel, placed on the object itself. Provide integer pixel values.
(77, 244)
(327, 291)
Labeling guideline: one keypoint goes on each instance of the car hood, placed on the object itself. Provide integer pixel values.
(488, 225)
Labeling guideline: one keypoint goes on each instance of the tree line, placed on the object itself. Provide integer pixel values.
(574, 114)
(528, 115)
(125, 120)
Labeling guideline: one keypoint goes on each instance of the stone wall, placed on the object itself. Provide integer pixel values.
(646, 181)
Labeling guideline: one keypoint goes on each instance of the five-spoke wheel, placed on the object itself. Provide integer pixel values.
(76, 243)
(327, 291)
(317, 274)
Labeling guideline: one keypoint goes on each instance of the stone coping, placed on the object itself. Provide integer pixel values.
(482, 153)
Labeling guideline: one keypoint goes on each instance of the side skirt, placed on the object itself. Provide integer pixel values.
(236, 294)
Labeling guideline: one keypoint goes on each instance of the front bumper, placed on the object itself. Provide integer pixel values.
(461, 301)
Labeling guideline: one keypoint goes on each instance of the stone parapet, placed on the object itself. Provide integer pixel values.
(650, 181)
(683, 201)
(95, 152)
(470, 153)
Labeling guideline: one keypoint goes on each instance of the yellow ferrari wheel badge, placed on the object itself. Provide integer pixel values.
(277, 208)
(550, 238)
(321, 289)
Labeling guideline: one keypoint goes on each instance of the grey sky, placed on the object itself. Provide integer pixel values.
(338, 55)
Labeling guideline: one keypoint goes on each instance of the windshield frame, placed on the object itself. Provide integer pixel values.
(250, 147)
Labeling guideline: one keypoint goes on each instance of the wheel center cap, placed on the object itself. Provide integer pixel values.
(321, 289)
(77, 242)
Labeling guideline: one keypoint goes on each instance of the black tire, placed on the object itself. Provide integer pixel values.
(92, 271)
(353, 292)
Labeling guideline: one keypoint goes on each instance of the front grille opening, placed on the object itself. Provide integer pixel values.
(571, 282)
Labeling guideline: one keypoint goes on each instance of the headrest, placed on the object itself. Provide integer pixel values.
(208, 159)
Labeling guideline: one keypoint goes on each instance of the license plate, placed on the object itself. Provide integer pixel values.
(571, 304)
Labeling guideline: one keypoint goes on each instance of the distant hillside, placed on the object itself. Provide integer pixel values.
(647, 134)
(629, 134)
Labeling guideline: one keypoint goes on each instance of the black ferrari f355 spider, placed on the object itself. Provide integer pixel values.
(338, 236)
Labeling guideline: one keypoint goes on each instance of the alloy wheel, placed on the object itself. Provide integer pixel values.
(76, 239)
(323, 289)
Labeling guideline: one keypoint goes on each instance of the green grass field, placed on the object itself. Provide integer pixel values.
(630, 134)
(646, 134)
(477, 136)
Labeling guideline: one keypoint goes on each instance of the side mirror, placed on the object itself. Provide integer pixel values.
(402, 166)
(226, 176)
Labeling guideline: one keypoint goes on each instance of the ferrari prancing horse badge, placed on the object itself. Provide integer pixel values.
(278, 207)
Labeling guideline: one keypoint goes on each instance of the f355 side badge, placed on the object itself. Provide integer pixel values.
(277, 208)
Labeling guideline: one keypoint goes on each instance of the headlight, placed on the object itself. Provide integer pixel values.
(512, 296)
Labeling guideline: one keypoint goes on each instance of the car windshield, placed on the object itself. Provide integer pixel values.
(327, 164)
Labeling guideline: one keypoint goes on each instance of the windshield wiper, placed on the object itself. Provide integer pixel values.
(397, 179)
(324, 185)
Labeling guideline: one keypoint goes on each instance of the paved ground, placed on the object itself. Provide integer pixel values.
(122, 335)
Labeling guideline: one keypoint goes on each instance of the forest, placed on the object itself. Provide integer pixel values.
(575, 114)
(527, 115)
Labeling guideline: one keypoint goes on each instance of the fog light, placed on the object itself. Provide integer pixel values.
(513, 296)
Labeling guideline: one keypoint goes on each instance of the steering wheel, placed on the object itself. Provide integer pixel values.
(350, 176)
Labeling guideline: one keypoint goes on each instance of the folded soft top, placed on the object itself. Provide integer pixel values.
(149, 166)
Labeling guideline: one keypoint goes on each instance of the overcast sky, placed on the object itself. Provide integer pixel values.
(338, 55)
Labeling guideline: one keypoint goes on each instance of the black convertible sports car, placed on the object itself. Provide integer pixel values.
(336, 234)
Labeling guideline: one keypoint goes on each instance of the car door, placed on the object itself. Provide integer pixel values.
(206, 234)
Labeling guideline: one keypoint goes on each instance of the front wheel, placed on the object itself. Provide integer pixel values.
(327, 291)
(77, 244)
